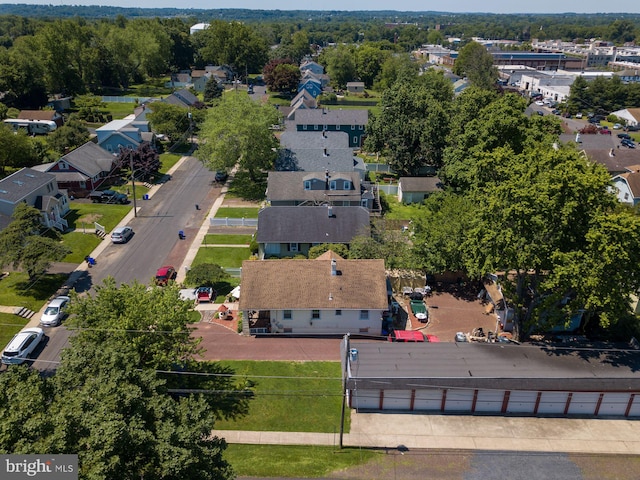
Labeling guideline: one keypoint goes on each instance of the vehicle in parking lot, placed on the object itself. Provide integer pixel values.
(627, 143)
(624, 135)
(617, 126)
(55, 311)
(164, 274)
(121, 234)
(22, 345)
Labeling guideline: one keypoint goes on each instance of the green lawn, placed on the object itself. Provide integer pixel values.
(119, 110)
(226, 257)
(235, 212)
(400, 211)
(218, 239)
(168, 160)
(306, 397)
(290, 461)
(9, 326)
(80, 244)
(82, 215)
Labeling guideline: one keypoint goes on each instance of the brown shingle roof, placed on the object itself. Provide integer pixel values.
(37, 114)
(308, 284)
(633, 180)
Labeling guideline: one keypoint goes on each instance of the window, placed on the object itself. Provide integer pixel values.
(315, 127)
(364, 314)
(364, 203)
(287, 315)
(332, 185)
(346, 185)
(304, 127)
(360, 127)
(338, 313)
(307, 184)
(353, 127)
(355, 140)
(293, 247)
(326, 127)
(315, 314)
(626, 196)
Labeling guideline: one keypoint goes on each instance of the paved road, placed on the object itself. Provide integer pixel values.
(155, 243)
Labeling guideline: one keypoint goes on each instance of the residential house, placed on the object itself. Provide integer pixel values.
(182, 98)
(416, 189)
(328, 295)
(303, 100)
(323, 78)
(355, 87)
(47, 115)
(312, 66)
(629, 75)
(222, 72)
(311, 85)
(81, 170)
(199, 79)
(317, 152)
(119, 134)
(38, 189)
(343, 189)
(291, 231)
(353, 122)
(627, 186)
(630, 115)
(179, 80)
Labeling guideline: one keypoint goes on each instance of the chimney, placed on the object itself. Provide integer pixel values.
(334, 270)
(324, 152)
(330, 211)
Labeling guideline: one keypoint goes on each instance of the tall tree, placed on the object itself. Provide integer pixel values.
(340, 64)
(476, 63)
(144, 160)
(237, 131)
(69, 136)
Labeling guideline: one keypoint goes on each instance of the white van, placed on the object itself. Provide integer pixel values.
(22, 345)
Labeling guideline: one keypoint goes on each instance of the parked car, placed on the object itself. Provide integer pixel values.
(205, 294)
(108, 196)
(617, 126)
(55, 311)
(540, 113)
(632, 128)
(605, 131)
(627, 143)
(22, 345)
(461, 337)
(164, 274)
(540, 103)
(221, 176)
(579, 115)
(250, 89)
(624, 135)
(121, 234)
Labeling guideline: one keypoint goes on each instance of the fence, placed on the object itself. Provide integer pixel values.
(234, 272)
(388, 189)
(111, 99)
(378, 167)
(233, 222)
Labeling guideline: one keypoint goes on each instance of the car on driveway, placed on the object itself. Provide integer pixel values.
(22, 345)
(540, 103)
(108, 196)
(617, 126)
(627, 143)
(461, 337)
(55, 311)
(624, 135)
(121, 235)
(164, 274)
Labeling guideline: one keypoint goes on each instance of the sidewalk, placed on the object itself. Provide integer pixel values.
(422, 431)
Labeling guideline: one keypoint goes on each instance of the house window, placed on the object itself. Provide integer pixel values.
(293, 247)
(287, 315)
(364, 203)
(315, 314)
(338, 313)
(326, 127)
(355, 140)
(315, 127)
(360, 127)
(307, 184)
(63, 166)
(304, 127)
(332, 185)
(364, 314)
(626, 196)
(346, 185)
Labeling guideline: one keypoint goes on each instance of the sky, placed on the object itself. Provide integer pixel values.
(459, 6)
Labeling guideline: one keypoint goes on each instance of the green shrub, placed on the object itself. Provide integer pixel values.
(205, 274)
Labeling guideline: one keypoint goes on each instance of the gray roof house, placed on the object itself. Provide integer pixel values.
(416, 189)
(319, 188)
(352, 122)
(182, 98)
(290, 231)
(38, 189)
(317, 152)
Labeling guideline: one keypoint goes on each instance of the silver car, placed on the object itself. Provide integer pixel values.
(22, 345)
(55, 312)
(121, 234)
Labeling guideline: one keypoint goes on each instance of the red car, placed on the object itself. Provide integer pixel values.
(605, 131)
(164, 274)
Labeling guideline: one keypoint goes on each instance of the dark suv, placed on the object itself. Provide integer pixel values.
(108, 196)
(221, 176)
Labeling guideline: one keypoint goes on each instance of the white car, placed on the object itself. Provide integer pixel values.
(121, 234)
(22, 345)
(55, 311)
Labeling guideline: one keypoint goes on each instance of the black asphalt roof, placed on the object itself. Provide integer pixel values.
(491, 366)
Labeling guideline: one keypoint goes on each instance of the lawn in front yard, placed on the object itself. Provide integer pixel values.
(17, 291)
(219, 239)
(10, 325)
(83, 215)
(237, 212)
(290, 397)
(294, 461)
(226, 257)
(80, 244)
(168, 160)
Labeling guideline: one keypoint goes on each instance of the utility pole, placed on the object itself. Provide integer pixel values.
(133, 183)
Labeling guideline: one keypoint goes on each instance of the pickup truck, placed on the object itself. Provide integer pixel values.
(108, 196)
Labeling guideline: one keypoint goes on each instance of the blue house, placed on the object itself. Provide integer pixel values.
(312, 66)
(311, 85)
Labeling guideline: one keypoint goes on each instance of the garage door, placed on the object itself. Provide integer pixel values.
(489, 401)
(396, 400)
(614, 404)
(552, 403)
(428, 400)
(522, 402)
(583, 403)
(459, 401)
(365, 399)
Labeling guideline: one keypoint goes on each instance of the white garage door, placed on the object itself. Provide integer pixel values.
(552, 403)
(489, 401)
(428, 400)
(459, 401)
(396, 400)
(583, 403)
(634, 411)
(614, 404)
(522, 402)
(365, 399)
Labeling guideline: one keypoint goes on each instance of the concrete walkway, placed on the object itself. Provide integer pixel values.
(418, 431)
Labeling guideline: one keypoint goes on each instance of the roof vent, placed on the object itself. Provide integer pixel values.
(330, 211)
